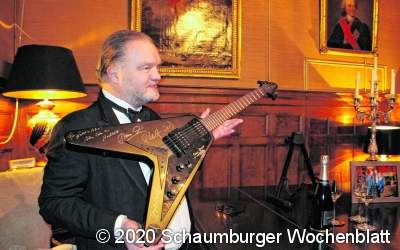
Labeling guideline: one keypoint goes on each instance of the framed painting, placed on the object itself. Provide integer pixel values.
(196, 38)
(349, 27)
(381, 177)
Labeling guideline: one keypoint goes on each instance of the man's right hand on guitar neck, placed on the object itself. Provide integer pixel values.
(225, 129)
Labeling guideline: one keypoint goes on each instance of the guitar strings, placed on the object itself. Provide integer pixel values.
(217, 121)
(219, 117)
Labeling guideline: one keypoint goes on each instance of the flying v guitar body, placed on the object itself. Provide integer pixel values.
(176, 146)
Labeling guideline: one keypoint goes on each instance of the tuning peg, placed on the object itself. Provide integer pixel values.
(273, 95)
(262, 82)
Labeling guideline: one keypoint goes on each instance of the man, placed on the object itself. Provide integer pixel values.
(350, 32)
(85, 192)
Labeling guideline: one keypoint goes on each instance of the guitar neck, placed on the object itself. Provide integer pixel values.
(216, 119)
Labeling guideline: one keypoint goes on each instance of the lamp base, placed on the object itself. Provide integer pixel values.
(372, 158)
(22, 163)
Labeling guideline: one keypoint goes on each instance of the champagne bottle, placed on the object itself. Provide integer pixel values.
(323, 204)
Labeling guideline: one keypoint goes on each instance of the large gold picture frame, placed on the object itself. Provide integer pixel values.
(330, 16)
(197, 38)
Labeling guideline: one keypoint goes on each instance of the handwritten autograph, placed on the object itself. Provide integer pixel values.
(110, 134)
(148, 136)
(84, 133)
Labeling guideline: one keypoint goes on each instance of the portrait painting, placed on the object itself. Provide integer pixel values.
(196, 38)
(349, 27)
(377, 179)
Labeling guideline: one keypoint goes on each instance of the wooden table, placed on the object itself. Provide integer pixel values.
(266, 221)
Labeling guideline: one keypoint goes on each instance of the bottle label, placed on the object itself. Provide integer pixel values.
(327, 216)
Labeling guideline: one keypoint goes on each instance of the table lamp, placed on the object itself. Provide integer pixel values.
(43, 72)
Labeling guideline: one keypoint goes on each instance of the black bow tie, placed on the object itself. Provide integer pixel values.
(134, 116)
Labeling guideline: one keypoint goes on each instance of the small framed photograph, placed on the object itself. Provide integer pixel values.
(380, 178)
(349, 27)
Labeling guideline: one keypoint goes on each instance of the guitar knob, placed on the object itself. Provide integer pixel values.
(171, 193)
(175, 180)
(180, 167)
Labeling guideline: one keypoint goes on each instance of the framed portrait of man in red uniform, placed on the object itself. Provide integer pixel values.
(349, 27)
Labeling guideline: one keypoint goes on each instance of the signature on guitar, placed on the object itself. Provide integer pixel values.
(146, 135)
(109, 135)
(150, 135)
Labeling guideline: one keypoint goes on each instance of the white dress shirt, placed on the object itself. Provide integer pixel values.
(181, 220)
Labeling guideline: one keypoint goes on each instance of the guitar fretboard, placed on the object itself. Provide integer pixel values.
(215, 119)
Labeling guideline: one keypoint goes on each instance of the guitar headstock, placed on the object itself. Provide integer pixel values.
(269, 88)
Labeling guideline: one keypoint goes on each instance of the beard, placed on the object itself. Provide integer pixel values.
(151, 94)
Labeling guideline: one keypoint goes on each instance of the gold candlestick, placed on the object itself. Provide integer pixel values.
(374, 115)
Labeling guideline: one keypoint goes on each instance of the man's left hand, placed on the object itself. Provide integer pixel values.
(226, 129)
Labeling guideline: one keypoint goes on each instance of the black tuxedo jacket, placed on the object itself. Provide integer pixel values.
(85, 191)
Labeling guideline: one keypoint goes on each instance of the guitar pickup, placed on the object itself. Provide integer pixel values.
(183, 138)
(177, 141)
(173, 145)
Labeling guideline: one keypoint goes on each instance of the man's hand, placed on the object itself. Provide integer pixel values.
(225, 129)
(128, 224)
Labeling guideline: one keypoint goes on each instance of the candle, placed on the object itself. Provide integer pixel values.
(372, 82)
(375, 70)
(357, 91)
(393, 83)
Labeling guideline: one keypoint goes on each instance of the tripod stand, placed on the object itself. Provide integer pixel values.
(296, 139)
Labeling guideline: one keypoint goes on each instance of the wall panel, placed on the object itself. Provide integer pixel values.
(256, 152)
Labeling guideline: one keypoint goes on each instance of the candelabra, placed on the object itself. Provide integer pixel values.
(375, 115)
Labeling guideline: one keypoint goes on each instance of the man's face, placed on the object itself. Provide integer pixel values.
(351, 8)
(138, 74)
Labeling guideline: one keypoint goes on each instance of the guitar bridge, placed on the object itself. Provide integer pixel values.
(181, 139)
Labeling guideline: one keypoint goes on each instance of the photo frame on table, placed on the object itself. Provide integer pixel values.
(382, 176)
(198, 38)
(339, 37)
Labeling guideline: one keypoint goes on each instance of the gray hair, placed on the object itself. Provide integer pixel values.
(344, 3)
(113, 49)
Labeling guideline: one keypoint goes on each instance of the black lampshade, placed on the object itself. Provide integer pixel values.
(5, 68)
(2, 83)
(387, 140)
(44, 72)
